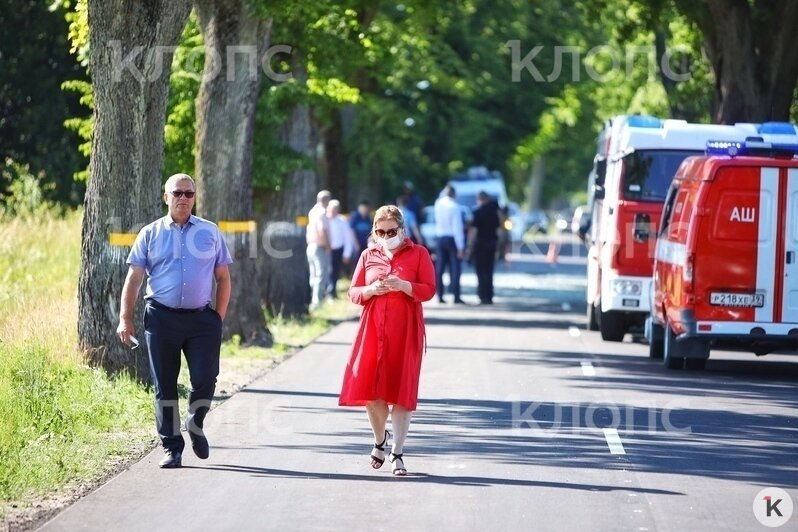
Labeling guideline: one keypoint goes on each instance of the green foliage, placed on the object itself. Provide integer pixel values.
(35, 61)
(76, 13)
(272, 159)
(25, 194)
(184, 83)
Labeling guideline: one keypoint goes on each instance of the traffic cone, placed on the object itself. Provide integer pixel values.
(553, 253)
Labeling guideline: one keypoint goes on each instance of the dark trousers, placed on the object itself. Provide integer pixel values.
(484, 259)
(337, 258)
(199, 336)
(447, 256)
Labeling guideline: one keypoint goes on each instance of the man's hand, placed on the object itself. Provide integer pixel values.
(133, 280)
(125, 330)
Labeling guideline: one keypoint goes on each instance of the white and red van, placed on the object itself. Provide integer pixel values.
(635, 164)
(726, 268)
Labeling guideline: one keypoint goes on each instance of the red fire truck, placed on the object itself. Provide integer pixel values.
(637, 158)
(726, 269)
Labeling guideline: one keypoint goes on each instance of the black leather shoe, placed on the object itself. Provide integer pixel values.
(171, 460)
(459, 301)
(199, 443)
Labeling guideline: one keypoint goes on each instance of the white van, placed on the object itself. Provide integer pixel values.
(476, 179)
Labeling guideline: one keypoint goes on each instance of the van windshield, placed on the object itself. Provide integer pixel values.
(647, 174)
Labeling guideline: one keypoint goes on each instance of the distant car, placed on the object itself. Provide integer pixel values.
(562, 220)
(580, 221)
(516, 222)
(537, 221)
(427, 226)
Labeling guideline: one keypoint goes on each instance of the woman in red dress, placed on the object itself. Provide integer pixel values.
(391, 280)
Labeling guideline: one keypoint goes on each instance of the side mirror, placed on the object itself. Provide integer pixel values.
(598, 192)
(642, 227)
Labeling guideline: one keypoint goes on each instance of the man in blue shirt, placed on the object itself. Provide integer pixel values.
(181, 255)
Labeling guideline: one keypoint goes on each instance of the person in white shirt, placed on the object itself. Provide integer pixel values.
(451, 242)
(342, 243)
(317, 236)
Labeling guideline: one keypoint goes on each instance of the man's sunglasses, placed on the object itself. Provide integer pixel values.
(390, 233)
(180, 193)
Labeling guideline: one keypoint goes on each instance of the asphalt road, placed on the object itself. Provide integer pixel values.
(526, 422)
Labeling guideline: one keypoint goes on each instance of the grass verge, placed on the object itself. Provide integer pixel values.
(65, 426)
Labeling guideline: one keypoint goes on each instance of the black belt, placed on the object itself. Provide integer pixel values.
(155, 304)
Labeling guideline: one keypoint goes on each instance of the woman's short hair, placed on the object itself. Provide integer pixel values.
(389, 212)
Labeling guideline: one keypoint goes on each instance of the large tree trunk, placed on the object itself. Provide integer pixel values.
(284, 270)
(752, 53)
(335, 160)
(130, 68)
(235, 43)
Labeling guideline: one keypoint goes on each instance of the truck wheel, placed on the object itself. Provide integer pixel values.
(698, 364)
(656, 349)
(612, 325)
(592, 323)
(670, 351)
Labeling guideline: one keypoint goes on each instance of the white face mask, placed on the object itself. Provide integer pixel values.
(392, 243)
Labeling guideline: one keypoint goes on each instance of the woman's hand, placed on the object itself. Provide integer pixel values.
(395, 284)
(377, 288)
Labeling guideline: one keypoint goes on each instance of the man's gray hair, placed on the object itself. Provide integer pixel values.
(177, 178)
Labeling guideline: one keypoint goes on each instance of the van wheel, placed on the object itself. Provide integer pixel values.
(698, 364)
(592, 323)
(656, 349)
(670, 351)
(612, 326)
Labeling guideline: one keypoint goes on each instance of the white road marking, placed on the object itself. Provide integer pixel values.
(574, 332)
(614, 441)
(588, 370)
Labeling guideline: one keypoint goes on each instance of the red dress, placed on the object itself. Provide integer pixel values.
(385, 362)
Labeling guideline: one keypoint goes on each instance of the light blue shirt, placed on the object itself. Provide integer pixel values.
(449, 220)
(179, 262)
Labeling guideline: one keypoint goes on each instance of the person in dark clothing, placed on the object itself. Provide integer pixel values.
(412, 201)
(483, 236)
(360, 222)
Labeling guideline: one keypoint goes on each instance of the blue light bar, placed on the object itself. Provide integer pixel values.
(644, 121)
(777, 128)
(751, 146)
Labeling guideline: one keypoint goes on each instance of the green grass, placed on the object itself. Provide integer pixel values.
(59, 420)
(62, 422)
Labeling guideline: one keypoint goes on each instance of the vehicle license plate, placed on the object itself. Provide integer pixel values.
(727, 299)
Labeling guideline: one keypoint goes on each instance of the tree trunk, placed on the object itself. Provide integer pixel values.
(751, 50)
(536, 177)
(284, 272)
(130, 79)
(335, 160)
(235, 43)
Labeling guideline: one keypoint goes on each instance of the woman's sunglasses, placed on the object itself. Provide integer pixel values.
(390, 233)
(180, 193)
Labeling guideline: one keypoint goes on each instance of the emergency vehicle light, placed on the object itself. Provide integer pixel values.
(751, 146)
(644, 121)
(778, 128)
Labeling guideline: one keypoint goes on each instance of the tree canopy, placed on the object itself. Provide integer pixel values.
(421, 90)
